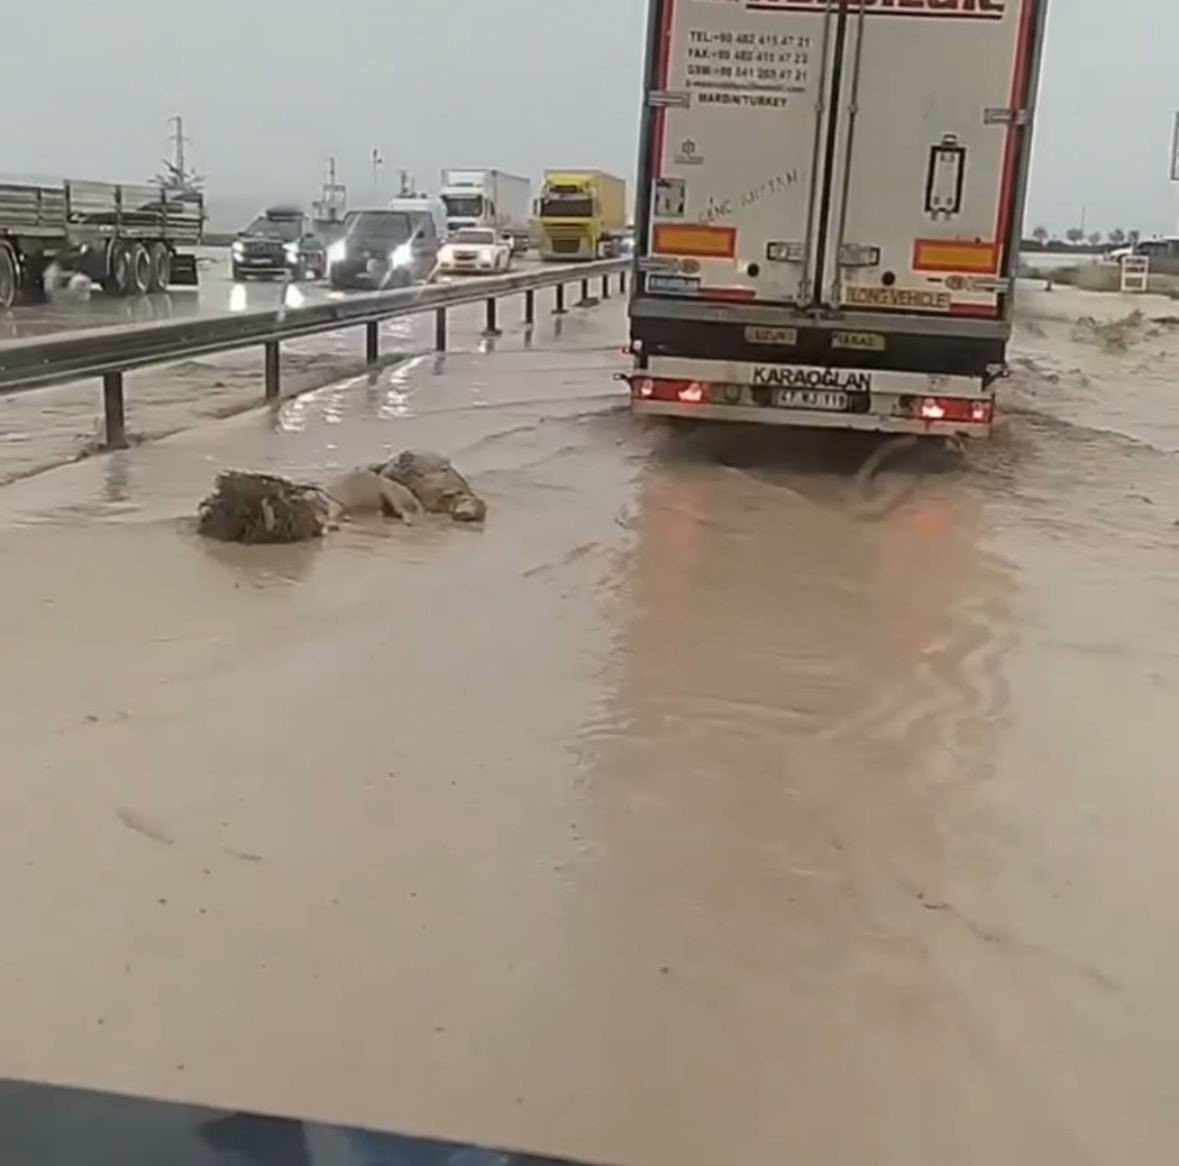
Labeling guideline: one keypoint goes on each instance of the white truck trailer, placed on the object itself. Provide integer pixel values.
(488, 198)
(126, 238)
(830, 197)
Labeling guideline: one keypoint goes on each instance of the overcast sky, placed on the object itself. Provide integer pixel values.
(270, 87)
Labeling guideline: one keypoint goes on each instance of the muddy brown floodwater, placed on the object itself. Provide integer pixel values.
(697, 810)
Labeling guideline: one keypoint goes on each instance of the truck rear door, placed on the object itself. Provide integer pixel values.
(929, 163)
(858, 153)
(732, 145)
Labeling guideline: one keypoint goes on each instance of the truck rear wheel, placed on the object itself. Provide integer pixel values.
(161, 267)
(117, 281)
(140, 270)
(9, 280)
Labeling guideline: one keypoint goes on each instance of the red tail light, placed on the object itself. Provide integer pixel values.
(974, 412)
(681, 392)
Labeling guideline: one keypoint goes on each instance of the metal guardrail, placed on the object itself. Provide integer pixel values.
(111, 352)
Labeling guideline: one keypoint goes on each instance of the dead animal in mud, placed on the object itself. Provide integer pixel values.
(437, 485)
(367, 492)
(262, 508)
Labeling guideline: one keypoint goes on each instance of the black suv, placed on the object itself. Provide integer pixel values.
(279, 241)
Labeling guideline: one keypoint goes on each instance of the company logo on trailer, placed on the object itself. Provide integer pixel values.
(960, 9)
(781, 376)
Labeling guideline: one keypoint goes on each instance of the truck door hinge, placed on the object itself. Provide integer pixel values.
(1004, 116)
(669, 99)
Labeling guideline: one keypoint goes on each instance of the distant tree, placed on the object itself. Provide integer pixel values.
(1075, 235)
(1117, 237)
(1040, 234)
(1133, 237)
(1095, 238)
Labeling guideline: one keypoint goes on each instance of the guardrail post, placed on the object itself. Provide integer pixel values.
(585, 295)
(372, 342)
(440, 330)
(492, 328)
(622, 281)
(114, 416)
(530, 307)
(559, 310)
(605, 287)
(273, 376)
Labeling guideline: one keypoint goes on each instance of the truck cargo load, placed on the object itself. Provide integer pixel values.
(126, 238)
(581, 215)
(488, 198)
(829, 204)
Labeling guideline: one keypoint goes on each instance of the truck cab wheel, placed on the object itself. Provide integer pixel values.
(160, 259)
(9, 280)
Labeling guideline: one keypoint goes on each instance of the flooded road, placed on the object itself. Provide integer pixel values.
(217, 293)
(699, 809)
(47, 427)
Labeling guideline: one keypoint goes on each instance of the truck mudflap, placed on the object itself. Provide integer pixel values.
(184, 270)
(874, 400)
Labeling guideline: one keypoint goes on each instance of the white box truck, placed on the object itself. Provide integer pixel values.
(488, 198)
(830, 197)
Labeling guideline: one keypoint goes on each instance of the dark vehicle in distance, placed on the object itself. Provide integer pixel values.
(383, 249)
(280, 241)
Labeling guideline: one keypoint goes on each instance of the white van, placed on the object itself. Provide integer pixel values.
(423, 206)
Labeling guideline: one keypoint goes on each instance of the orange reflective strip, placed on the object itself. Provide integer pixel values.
(955, 255)
(692, 239)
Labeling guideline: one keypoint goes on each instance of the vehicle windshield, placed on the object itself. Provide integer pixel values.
(482, 238)
(390, 227)
(463, 206)
(288, 230)
(567, 206)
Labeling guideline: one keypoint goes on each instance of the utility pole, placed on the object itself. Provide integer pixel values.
(333, 198)
(1175, 165)
(176, 175)
(178, 144)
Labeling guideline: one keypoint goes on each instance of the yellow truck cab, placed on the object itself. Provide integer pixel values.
(582, 215)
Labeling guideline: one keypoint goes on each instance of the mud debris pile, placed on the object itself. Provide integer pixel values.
(1121, 335)
(1112, 335)
(263, 508)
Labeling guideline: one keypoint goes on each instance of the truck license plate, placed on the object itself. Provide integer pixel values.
(826, 399)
